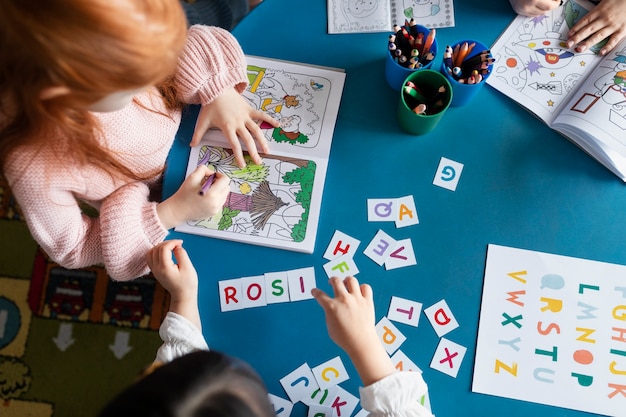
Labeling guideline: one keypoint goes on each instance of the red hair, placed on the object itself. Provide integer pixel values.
(94, 48)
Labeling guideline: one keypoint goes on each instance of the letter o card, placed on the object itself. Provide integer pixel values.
(441, 318)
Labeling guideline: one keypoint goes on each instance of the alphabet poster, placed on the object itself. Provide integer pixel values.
(553, 331)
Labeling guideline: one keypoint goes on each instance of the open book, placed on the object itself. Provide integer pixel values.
(580, 95)
(349, 16)
(277, 203)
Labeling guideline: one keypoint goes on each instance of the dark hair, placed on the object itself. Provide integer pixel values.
(199, 384)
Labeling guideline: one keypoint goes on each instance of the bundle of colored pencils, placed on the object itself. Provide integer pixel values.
(465, 68)
(409, 47)
(422, 101)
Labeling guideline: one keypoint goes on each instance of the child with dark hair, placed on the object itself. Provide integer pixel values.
(188, 380)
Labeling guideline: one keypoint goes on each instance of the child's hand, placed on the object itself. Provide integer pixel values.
(534, 7)
(231, 113)
(350, 315)
(606, 20)
(179, 279)
(186, 204)
(351, 325)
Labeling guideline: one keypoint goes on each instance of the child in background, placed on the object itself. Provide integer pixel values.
(193, 381)
(91, 94)
(606, 20)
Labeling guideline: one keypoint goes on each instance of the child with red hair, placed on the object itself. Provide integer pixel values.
(91, 94)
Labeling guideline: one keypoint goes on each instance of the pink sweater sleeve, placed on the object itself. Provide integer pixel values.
(211, 62)
(130, 227)
(119, 238)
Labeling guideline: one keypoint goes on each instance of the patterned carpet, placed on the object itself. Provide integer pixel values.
(69, 339)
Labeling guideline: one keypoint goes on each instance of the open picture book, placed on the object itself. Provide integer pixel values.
(277, 203)
(580, 95)
(350, 16)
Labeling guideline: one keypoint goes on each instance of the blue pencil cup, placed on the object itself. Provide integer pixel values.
(463, 92)
(396, 73)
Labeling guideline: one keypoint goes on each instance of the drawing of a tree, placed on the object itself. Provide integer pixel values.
(15, 379)
(262, 204)
(303, 175)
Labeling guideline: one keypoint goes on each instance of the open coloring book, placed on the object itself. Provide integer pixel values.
(580, 95)
(276, 204)
(357, 16)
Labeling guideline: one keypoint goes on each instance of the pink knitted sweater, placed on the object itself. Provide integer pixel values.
(47, 187)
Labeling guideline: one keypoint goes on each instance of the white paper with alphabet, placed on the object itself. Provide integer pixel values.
(553, 331)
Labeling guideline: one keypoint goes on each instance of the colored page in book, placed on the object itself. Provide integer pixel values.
(533, 64)
(598, 106)
(356, 16)
(429, 13)
(304, 98)
(274, 204)
(552, 331)
(277, 203)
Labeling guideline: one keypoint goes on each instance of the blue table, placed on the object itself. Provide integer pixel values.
(523, 185)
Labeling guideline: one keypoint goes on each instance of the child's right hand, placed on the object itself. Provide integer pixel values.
(350, 315)
(351, 324)
(606, 20)
(186, 204)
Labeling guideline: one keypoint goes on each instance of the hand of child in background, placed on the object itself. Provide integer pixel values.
(534, 7)
(350, 320)
(186, 204)
(180, 279)
(606, 20)
(232, 114)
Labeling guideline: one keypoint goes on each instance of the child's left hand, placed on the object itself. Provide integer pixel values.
(605, 20)
(231, 113)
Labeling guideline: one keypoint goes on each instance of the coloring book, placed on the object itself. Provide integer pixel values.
(580, 95)
(357, 16)
(552, 331)
(277, 203)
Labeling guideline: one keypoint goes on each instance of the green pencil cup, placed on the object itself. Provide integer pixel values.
(435, 93)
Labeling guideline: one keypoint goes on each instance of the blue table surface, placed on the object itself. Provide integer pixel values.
(523, 185)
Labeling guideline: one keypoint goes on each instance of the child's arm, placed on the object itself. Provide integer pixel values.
(180, 280)
(606, 20)
(534, 7)
(212, 72)
(351, 324)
